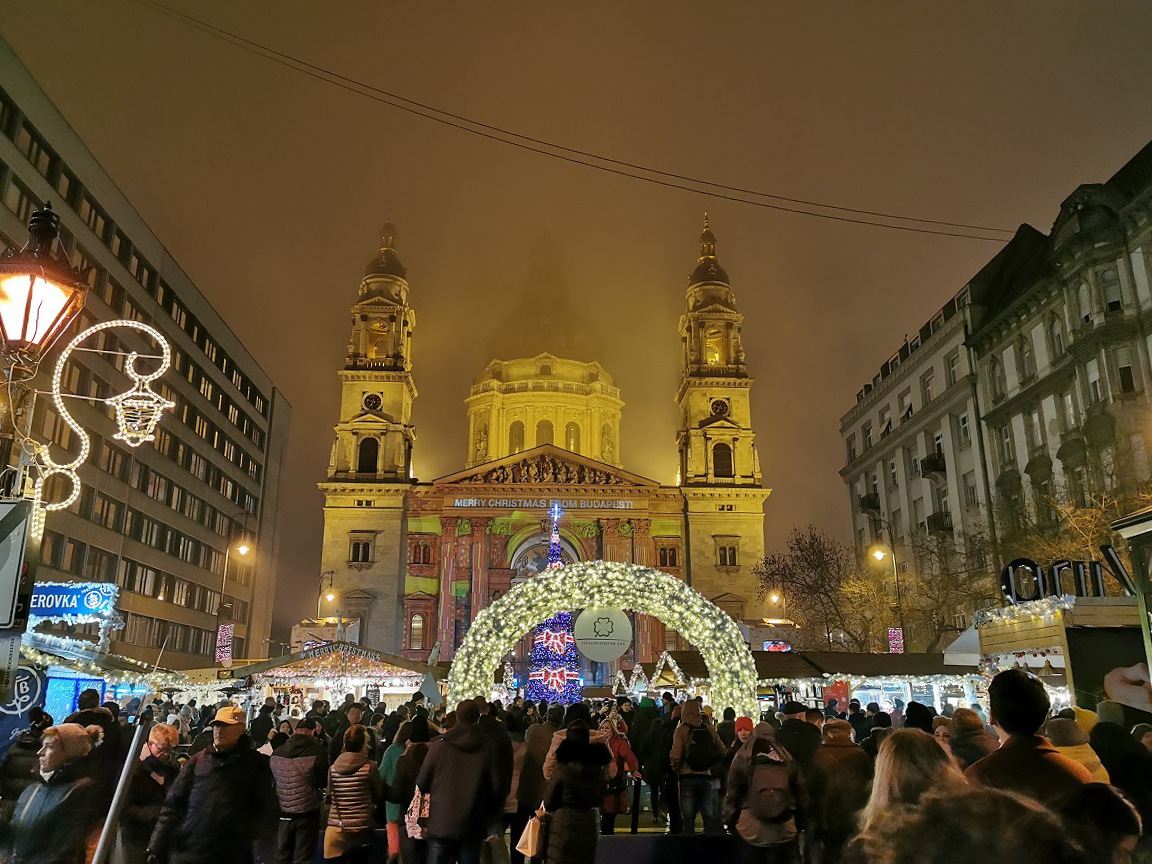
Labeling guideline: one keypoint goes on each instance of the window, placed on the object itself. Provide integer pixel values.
(964, 429)
(1056, 336)
(422, 552)
(1006, 454)
(938, 443)
(1123, 357)
(1113, 301)
(19, 200)
(666, 555)
(726, 555)
(722, 460)
(99, 566)
(928, 387)
(1033, 428)
(1095, 394)
(34, 147)
(572, 437)
(106, 511)
(851, 446)
(544, 432)
(904, 401)
(366, 456)
(866, 435)
(893, 475)
(952, 368)
(971, 495)
(997, 384)
(1084, 298)
(516, 438)
(1071, 417)
(360, 550)
(714, 347)
(885, 421)
(1026, 360)
(94, 217)
(416, 633)
(113, 460)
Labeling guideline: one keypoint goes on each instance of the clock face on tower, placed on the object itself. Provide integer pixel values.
(373, 402)
(720, 408)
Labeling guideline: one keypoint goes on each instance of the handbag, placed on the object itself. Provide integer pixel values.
(417, 810)
(531, 843)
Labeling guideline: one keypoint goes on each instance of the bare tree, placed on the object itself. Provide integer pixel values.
(832, 600)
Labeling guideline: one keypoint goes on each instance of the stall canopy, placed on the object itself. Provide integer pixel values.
(340, 666)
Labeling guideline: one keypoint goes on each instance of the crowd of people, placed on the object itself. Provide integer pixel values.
(417, 784)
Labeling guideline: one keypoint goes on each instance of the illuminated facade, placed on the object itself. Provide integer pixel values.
(416, 561)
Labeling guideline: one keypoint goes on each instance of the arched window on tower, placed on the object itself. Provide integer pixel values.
(515, 438)
(416, 633)
(367, 455)
(544, 433)
(1113, 299)
(572, 437)
(714, 353)
(722, 460)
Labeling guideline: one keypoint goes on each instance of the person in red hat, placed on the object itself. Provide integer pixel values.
(222, 804)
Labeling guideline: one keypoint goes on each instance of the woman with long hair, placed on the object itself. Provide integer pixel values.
(574, 791)
(910, 764)
(615, 802)
(354, 787)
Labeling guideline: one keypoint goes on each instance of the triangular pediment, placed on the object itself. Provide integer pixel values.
(723, 422)
(368, 418)
(547, 465)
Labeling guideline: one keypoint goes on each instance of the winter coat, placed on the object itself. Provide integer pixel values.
(261, 726)
(151, 780)
(690, 721)
(501, 743)
(1086, 756)
(596, 737)
(871, 744)
(1030, 766)
(735, 811)
(971, 747)
(219, 807)
(801, 739)
(726, 729)
(401, 790)
(861, 724)
(461, 776)
(512, 802)
(576, 786)
(300, 768)
(841, 785)
(353, 785)
(107, 758)
(53, 818)
(537, 741)
(393, 812)
(18, 772)
(625, 761)
(657, 751)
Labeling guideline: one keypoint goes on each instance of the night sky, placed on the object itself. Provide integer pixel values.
(270, 188)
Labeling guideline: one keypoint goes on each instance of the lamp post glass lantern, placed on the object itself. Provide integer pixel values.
(40, 293)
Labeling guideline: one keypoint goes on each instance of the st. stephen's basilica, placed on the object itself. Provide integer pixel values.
(416, 561)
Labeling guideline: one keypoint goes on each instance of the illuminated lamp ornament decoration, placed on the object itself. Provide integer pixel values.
(554, 673)
(895, 640)
(224, 635)
(498, 627)
(137, 413)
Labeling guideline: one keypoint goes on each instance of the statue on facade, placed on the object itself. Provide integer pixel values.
(481, 441)
(607, 449)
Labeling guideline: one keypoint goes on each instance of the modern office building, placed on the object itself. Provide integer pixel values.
(158, 520)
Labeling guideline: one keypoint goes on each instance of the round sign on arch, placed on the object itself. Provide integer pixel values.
(731, 670)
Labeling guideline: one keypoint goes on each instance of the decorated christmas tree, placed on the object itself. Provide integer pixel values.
(555, 671)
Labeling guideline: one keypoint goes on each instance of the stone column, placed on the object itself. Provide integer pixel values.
(480, 590)
(610, 539)
(644, 554)
(445, 617)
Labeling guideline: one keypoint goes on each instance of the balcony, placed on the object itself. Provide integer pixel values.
(933, 466)
(870, 503)
(939, 523)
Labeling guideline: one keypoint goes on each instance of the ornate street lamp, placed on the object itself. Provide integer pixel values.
(40, 293)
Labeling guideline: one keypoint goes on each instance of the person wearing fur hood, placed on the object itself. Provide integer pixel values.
(577, 786)
(56, 814)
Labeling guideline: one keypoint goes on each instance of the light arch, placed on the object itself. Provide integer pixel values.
(497, 629)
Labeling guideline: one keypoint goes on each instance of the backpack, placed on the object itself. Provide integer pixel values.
(702, 752)
(770, 789)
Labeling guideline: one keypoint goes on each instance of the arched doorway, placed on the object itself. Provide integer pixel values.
(731, 671)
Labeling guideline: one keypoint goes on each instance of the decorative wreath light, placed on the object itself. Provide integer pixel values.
(1031, 612)
(732, 673)
(137, 413)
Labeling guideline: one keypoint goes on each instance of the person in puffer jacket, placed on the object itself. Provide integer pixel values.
(354, 786)
(1072, 741)
(300, 768)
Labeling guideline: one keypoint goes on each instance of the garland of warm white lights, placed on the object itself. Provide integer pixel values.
(1044, 611)
(732, 673)
(156, 680)
(137, 413)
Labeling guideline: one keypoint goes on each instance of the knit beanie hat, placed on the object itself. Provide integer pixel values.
(1110, 712)
(1064, 733)
(744, 724)
(1085, 719)
(75, 740)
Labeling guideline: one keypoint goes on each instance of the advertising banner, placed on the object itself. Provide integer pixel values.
(1109, 663)
(602, 633)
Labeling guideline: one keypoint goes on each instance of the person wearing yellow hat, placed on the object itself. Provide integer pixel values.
(221, 804)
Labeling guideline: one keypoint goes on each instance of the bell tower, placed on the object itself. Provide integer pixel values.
(719, 473)
(375, 435)
(364, 553)
(716, 441)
